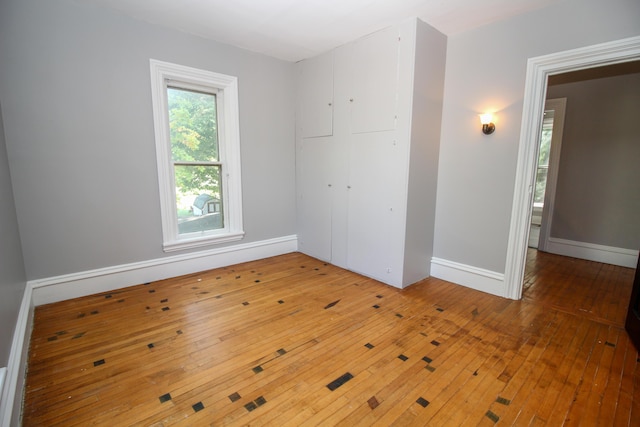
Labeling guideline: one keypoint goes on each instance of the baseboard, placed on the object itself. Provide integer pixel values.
(592, 252)
(468, 276)
(13, 387)
(85, 283)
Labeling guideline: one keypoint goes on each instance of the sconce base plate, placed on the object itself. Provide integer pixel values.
(488, 128)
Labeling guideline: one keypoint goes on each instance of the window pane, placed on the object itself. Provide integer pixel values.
(541, 185)
(198, 198)
(193, 125)
(545, 145)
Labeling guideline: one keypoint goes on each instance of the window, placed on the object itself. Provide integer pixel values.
(196, 124)
(543, 159)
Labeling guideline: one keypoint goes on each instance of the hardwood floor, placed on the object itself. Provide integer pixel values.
(293, 341)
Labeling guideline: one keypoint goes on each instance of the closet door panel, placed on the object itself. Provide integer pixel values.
(369, 209)
(315, 205)
(315, 87)
(374, 85)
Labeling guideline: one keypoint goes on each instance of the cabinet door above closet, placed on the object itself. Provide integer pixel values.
(374, 86)
(315, 86)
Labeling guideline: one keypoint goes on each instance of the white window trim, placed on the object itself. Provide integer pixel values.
(229, 152)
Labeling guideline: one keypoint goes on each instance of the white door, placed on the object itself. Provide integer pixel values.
(314, 205)
(370, 213)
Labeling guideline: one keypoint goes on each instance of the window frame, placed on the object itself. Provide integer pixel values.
(164, 74)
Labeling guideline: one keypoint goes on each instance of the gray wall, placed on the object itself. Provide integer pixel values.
(12, 276)
(598, 190)
(74, 85)
(486, 71)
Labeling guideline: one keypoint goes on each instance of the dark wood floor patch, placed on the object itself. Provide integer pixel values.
(422, 402)
(503, 401)
(373, 402)
(331, 304)
(493, 417)
(339, 381)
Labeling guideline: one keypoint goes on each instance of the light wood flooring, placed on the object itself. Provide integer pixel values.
(293, 341)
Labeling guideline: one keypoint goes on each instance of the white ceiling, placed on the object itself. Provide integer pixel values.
(296, 29)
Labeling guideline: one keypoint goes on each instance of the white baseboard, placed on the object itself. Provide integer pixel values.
(468, 276)
(13, 387)
(85, 283)
(592, 252)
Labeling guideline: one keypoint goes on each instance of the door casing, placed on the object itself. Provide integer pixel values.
(538, 71)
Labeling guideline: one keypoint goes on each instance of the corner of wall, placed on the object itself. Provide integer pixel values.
(12, 389)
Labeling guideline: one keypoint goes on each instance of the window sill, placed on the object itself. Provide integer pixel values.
(197, 242)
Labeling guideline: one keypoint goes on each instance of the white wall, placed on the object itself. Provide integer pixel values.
(428, 90)
(12, 291)
(12, 275)
(74, 86)
(486, 72)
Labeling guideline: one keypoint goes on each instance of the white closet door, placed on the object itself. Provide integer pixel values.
(315, 86)
(314, 217)
(373, 98)
(370, 211)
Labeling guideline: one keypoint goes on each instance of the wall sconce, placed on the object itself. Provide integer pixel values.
(487, 126)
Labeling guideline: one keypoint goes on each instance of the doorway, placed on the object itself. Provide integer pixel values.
(538, 71)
